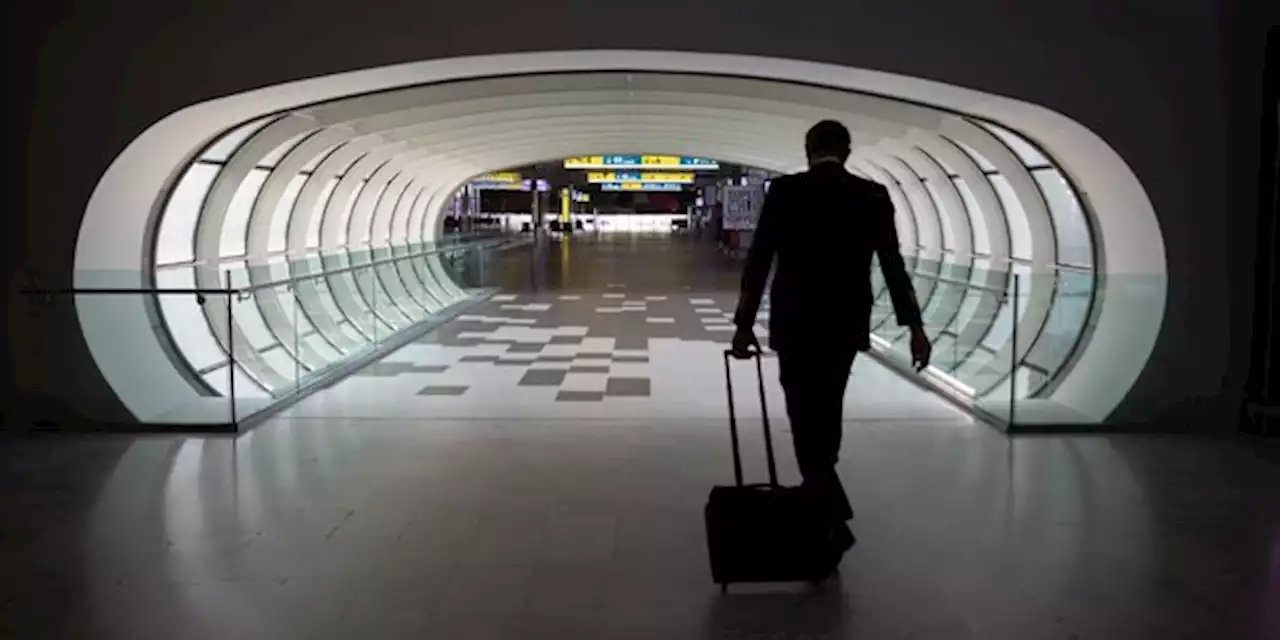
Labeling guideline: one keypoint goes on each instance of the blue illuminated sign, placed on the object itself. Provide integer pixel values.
(641, 186)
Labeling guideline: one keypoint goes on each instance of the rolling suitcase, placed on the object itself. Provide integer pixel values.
(761, 532)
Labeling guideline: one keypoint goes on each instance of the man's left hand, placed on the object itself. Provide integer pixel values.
(745, 343)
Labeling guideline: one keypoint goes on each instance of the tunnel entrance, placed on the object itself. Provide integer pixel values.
(321, 224)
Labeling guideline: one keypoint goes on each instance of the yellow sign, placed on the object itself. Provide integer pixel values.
(681, 163)
(564, 204)
(661, 161)
(636, 176)
(501, 176)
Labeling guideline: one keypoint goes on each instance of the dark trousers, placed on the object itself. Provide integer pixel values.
(814, 383)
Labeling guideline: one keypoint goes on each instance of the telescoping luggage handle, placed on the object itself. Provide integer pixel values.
(764, 414)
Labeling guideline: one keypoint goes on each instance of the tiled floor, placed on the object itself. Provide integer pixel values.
(384, 520)
(340, 528)
(592, 355)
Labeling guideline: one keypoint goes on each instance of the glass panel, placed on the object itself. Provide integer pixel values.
(317, 216)
(253, 367)
(118, 325)
(278, 358)
(176, 239)
(948, 232)
(326, 300)
(275, 342)
(254, 328)
(359, 305)
(1073, 295)
(323, 348)
(185, 320)
(977, 218)
(1019, 227)
(235, 223)
(1002, 329)
(278, 233)
(351, 332)
(361, 235)
(344, 214)
(290, 335)
(1074, 242)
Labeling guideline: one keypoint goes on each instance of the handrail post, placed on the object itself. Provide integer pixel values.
(1013, 355)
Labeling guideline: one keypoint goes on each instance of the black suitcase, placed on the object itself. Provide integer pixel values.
(761, 532)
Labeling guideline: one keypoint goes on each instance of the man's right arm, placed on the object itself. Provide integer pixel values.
(896, 278)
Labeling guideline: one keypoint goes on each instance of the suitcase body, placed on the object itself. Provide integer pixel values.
(761, 532)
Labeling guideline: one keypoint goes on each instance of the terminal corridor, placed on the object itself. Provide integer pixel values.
(332, 322)
(537, 468)
(612, 326)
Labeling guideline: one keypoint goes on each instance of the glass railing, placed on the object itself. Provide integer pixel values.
(210, 347)
(1116, 317)
(1002, 336)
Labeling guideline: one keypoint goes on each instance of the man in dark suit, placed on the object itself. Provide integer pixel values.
(822, 227)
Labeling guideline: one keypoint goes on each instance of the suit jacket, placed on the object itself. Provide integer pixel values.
(821, 227)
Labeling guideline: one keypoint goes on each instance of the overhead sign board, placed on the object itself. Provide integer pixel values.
(684, 163)
(641, 186)
(522, 185)
(639, 176)
(501, 176)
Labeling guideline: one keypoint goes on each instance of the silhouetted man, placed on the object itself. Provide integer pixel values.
(822, 226)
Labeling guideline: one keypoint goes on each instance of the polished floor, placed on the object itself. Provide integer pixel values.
(385, 508)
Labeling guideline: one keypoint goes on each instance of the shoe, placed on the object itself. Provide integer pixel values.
(839, 540)
(843, 539)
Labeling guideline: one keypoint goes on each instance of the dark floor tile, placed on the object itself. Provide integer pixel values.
(580, 396)
(554, 358)
(631, 342)
(525, 347)
(478, 359)
(430, 368)
(589, 368)
(628, 358)
(384, 369)
(594, 355)
(629, 387)
(513, 362)
(449, 341)
(565, 340)
(543, 378)
(442, 390)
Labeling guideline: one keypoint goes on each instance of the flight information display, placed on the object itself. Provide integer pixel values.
(641, 186)
(501, 176)
(686, 163)
(523, 185)
(639, 176)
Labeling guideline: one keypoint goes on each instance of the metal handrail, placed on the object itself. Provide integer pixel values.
(296, 254)
(364, 265)
(255, 287)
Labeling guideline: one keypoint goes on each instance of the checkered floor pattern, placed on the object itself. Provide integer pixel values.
(591, 354)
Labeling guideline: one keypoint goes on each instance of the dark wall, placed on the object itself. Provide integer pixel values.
(1173, 86)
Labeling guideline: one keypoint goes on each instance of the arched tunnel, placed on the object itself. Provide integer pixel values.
(324, 407)
(1038, 257)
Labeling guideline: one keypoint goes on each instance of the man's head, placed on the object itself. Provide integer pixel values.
(827, 139)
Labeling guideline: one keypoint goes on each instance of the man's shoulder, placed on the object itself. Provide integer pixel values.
(785, 181)
(843, 178)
